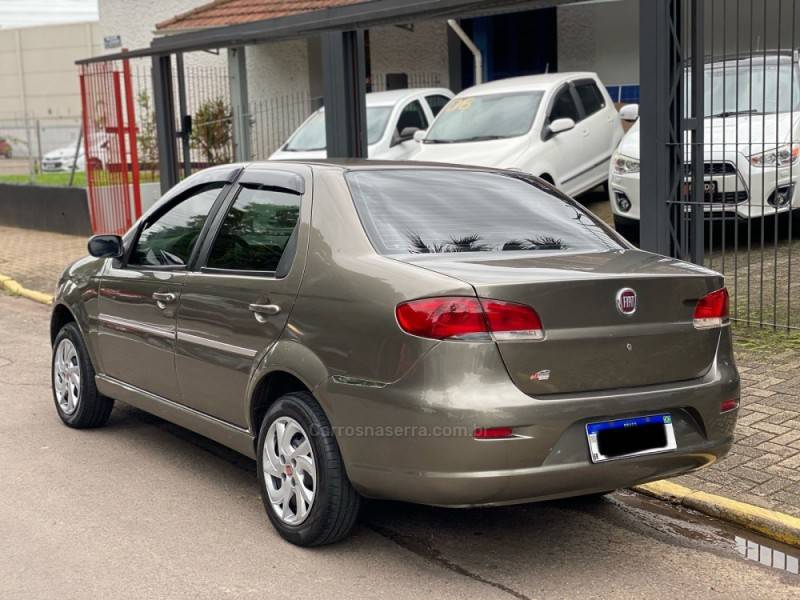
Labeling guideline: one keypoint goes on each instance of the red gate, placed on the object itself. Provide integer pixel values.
(110, 149)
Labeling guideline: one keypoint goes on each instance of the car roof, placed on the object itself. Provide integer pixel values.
(360, 164)
(527, 83)
(392, 97)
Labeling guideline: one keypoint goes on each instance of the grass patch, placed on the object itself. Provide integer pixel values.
(764, 339)
(61, 179)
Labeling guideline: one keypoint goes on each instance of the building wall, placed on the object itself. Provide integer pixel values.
(422, 51)
(135, 22)
(601, 37)
(277, 69)
(38, 74)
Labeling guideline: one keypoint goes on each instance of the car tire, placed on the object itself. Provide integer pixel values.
(75, 394)
(297, 454)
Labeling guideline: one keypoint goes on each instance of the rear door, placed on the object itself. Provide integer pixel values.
(139, 294)
(237, 304)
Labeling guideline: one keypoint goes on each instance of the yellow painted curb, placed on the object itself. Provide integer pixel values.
(17, 290)
(775, 525)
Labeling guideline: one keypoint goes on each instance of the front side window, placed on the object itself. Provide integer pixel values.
(412, 116)
(490, 117)
(168, 239)
(256, 230)
(435, 211)
(311, 135)
(564, 106)
(591, 97)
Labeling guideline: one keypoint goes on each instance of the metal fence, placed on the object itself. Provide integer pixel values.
(735, 177)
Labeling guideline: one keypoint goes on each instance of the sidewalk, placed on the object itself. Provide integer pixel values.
(36, 259)
(762, 469)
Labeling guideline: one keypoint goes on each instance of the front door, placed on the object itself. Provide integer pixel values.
(139, 295)
(237, 304)
(569, 148)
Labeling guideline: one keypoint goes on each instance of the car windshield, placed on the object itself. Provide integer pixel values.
(490, 117)
(311, 135)
(736, 88)
(436, 211)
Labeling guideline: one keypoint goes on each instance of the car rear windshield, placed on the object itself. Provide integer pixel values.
(480, 118)
(434, 211)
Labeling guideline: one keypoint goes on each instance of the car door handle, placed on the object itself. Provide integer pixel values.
(164, 298)
(262, 311)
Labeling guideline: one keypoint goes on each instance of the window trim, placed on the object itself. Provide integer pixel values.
(216, 226)
(161, 211)
(395, 140)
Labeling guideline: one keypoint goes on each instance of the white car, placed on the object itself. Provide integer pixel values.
(392, 119)
(751, 163)
(561, 127)
(62, 158)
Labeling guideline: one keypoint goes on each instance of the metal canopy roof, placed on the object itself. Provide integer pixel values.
(363, 15)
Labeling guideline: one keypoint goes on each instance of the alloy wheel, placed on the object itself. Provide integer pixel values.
(67, 377)
(290, 471)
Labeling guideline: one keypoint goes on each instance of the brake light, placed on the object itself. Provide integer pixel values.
(712, 310)
(464, 318)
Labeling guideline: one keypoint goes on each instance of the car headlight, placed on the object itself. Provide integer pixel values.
(782, 156)
(623, 165)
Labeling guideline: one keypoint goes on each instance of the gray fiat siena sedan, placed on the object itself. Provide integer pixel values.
(450, 336)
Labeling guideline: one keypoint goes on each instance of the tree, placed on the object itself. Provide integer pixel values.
(211, 131)
(147, 137)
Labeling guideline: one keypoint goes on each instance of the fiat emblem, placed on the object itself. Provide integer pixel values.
(627, 302)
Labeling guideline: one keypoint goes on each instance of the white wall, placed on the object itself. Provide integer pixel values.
(135, 22)
(602, 37)
(424, 50)
(277, 69)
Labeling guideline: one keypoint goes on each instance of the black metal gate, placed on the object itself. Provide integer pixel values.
(720, 149)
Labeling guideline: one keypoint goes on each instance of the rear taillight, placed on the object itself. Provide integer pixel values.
(711, 310)
(469, 319)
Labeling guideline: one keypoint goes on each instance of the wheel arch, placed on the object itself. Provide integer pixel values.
(274, 378)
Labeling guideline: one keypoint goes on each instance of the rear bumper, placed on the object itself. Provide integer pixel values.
(412, 440)
(546, 482)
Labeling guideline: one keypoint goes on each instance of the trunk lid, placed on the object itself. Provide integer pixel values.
(589, 344)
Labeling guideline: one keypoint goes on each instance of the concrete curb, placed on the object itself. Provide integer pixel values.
(774, 525)
(14, 288)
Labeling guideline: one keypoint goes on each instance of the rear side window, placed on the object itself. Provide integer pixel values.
(256, 231)
(441, 211)
(437, 102)
(564, 106)
(591, 97)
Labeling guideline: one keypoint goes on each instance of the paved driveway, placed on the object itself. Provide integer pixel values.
(144, 509)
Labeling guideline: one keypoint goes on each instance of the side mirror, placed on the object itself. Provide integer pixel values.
(629, 112)
(419, 135)
(106, 246)
(560, 126)
(406, 134)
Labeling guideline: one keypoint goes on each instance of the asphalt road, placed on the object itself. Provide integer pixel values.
(144, 509)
